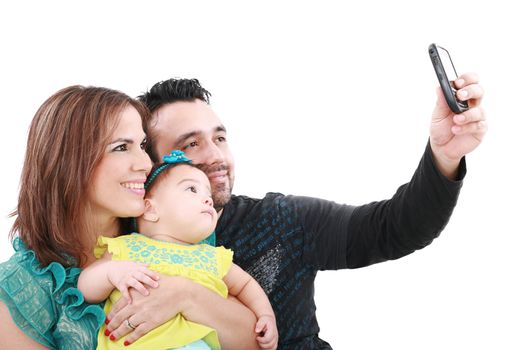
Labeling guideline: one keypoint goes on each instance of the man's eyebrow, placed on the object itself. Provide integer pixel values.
(186, 136)
(191, 134)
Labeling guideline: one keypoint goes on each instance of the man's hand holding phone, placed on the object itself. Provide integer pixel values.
(452, 134)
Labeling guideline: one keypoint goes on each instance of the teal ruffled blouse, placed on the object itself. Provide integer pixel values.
(45, 302)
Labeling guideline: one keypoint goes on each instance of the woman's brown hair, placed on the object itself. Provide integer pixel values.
(66, 141)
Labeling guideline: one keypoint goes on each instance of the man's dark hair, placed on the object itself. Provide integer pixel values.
(173, 90)
(169, 91)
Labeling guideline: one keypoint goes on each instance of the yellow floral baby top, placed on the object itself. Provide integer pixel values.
(201, 263)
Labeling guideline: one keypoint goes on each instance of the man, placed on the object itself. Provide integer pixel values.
(282, 241)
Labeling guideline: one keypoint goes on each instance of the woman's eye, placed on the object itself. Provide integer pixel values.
(143, 144)
(121, 148)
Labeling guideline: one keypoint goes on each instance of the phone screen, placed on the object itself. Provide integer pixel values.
(446, 74)
(448, 67)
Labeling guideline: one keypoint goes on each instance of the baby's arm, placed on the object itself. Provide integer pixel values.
(249, 292)
(97, 281)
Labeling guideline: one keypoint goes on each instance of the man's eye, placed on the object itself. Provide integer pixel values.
(221, 139)
(121, 148)
(191, 145)
(143, 144)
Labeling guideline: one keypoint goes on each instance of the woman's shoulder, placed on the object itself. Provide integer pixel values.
(23, 269)
(44, 301)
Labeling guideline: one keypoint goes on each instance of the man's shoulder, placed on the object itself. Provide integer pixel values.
(242, 209)
(269, 197)
(272, 200)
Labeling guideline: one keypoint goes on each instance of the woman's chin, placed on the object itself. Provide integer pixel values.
(132, 212)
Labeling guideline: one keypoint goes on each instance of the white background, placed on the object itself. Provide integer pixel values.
(326, 99)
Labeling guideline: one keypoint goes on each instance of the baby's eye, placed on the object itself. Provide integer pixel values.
(192, 189)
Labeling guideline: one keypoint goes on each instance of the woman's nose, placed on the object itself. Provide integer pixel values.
(143, 162)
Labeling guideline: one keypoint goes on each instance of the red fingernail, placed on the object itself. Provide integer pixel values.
(107, 320)
(112, 337)
(106, 333)
(126, 343)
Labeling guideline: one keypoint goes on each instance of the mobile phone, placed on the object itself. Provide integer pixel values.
(446, 74)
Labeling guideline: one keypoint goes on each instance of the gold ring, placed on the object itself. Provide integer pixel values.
(130, 325)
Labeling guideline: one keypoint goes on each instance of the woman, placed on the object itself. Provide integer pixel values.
(85, 168)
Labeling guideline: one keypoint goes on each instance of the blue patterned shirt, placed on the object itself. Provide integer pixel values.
(282, 241)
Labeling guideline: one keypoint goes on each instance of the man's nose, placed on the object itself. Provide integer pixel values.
(213, 154)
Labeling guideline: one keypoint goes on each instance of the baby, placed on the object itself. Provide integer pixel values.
(179, 214)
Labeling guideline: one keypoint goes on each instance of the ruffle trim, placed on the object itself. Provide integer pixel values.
(106, 244)
(64, 291)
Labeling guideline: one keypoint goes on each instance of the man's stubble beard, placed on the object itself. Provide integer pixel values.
(220, 193)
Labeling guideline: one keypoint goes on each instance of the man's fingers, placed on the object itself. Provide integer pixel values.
(475, 114)
(466, 79)
(470, 92)
(470, 128)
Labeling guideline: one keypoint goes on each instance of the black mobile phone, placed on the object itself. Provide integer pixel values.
(446, 74)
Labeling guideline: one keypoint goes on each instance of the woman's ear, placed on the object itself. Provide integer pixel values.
(150, 213)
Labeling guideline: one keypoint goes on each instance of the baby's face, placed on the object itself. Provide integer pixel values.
(184, 204)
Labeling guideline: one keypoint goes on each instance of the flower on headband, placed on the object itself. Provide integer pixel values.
(176, 156)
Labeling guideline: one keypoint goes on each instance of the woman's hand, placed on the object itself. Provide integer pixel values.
(148, 312)
(233, 321)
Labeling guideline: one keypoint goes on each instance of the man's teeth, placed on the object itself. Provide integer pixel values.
(133, 186)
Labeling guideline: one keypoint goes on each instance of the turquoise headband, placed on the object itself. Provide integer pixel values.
(175, 157)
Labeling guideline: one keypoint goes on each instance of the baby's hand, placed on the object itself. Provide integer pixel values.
(127, 274)
(266, 330)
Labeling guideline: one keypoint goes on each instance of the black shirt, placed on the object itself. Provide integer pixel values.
(282, 241)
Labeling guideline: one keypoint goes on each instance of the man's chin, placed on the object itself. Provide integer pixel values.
(221, 195)
(220, 200)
